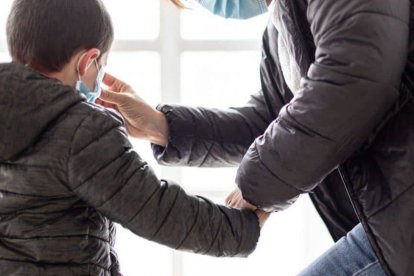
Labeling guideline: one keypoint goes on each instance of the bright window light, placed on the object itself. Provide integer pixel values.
(135, 19)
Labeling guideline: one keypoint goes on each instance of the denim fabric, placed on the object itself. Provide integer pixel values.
(351, 255)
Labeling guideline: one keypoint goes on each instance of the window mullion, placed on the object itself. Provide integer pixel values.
(170, 51)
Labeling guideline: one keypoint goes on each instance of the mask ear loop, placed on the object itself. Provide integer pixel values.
(77, 67)
(97, 65)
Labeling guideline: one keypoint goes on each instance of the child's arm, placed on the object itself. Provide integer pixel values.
(105, 172)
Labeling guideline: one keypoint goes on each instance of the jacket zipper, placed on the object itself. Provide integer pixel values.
(347, 183)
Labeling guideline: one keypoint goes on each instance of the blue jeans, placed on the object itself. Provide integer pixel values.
(350, 256)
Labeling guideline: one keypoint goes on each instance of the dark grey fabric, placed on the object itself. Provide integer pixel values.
(68, 172)
(352, 118)
(328, 120)
(204, 137)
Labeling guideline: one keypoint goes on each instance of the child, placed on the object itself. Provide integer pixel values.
(67, 169)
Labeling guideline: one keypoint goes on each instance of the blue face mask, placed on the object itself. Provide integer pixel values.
(92, 96)
(236, 9)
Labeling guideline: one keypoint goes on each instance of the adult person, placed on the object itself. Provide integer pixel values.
(335, 112)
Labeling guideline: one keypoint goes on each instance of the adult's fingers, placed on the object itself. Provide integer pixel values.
(116, 85)
(230, 198)
(249, 206)
(236, 202)
(109, 80)
(263, 216)
(112, 97)
(105, 104)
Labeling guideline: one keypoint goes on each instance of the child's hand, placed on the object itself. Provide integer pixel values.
(141, 120)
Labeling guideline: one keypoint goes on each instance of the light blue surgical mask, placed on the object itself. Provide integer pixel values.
(236, 9)
(92, 96)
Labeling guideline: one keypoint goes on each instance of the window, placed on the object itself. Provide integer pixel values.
(194, 58)
(4, 10)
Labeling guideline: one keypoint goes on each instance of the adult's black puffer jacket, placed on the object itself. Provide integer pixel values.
(350, 125)
(67, 172)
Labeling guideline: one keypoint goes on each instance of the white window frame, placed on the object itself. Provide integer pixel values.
(171, 45)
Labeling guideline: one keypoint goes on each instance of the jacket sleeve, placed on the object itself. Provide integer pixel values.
(361, 50)
(203, 137)
(106, 173)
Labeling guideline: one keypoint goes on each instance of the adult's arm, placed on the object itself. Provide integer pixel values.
(109, 175)
(205, 137)
(209, 137)
(360, 56)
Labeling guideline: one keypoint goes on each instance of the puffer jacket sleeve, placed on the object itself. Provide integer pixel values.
(106, 173)
(360, 57)
(203, 137)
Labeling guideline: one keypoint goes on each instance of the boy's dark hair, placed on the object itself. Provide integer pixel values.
(46, 33)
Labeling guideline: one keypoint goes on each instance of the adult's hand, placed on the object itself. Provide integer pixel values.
(235, 200)
(141, 120)
(263, 216)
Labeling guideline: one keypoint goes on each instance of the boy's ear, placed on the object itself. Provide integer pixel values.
(86, 59)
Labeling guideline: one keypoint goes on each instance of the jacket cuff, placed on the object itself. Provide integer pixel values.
(261, 187)
(180, 136)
